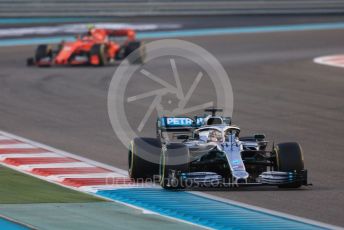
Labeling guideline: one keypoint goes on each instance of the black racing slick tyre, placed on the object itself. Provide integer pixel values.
(174, 159)
(101, 52)
(139, 56)
(139, 168)
(43, 51)
(289, 157)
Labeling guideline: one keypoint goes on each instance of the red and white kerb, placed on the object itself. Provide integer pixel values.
(58, 166)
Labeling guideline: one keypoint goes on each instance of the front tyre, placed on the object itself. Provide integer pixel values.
(289, 157)
(138, 57)
(43, 55)
(138, 167)
(98, 55)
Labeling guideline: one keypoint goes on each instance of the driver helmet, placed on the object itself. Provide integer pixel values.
(214, 136)
(90, 27)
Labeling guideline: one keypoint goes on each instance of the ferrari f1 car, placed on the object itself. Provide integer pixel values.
(209, 151)
(96, 48)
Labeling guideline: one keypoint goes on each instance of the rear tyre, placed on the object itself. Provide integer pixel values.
(289, 157)
(100, 51)
(42, 52)
(139, 57)
(139, 168)
(175, 157)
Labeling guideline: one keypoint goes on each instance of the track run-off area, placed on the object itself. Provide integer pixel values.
(278, 90)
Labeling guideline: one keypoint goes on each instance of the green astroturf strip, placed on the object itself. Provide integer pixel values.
(19, 188)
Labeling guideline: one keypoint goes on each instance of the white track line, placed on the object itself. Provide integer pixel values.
(17, 222)
(87, 175)
(81, 28)
(55, 165)
(5, 138)
(16, 153)
(23, 155)
(17, 146)
(96, 188)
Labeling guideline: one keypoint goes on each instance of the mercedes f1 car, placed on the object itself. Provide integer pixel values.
(96, 48)
(209, 151)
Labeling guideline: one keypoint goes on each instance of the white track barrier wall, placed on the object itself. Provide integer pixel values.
(81, 8)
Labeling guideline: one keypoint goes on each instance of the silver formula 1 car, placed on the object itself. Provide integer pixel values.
(208, 151)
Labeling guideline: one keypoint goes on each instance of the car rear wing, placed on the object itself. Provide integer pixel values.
(129, 33)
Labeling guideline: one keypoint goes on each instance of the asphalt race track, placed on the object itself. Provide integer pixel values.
(278, 90)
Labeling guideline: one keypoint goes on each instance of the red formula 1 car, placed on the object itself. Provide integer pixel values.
(96, 48)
